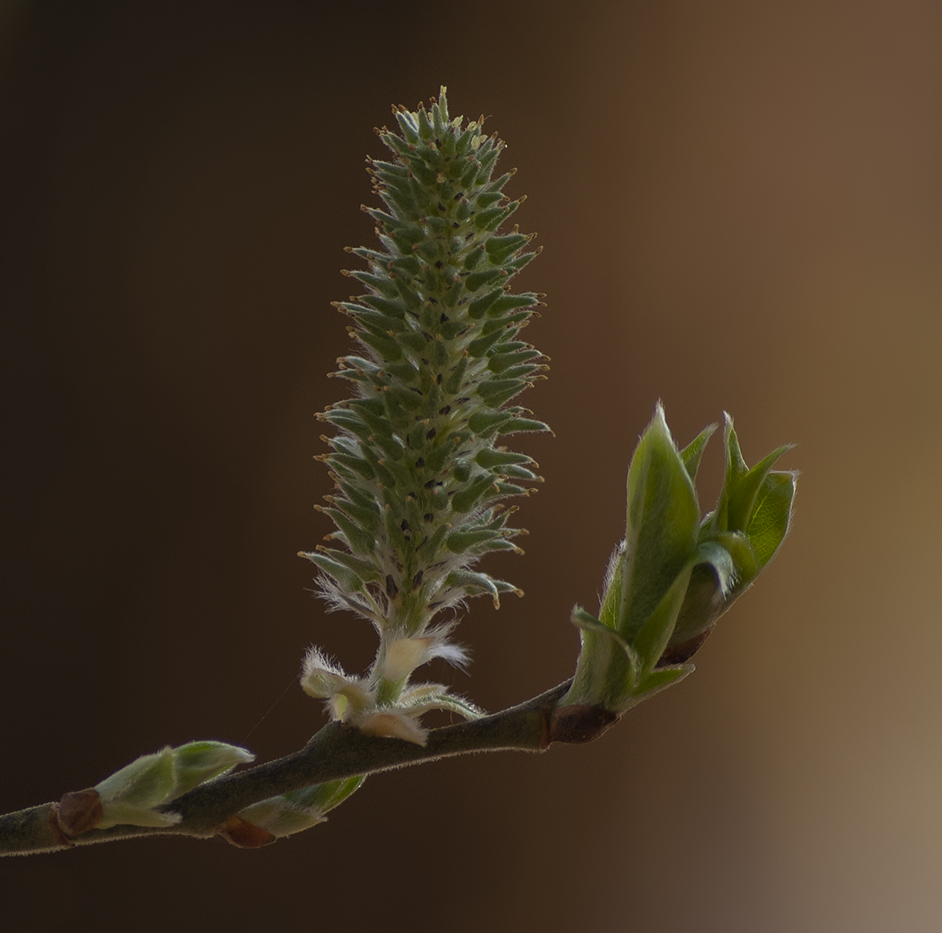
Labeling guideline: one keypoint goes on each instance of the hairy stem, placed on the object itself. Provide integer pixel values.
(334, 753)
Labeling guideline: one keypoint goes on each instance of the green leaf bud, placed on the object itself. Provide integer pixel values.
(198, 762)
(692, 453)
(131, 796)
(673, 576)
(300, 809)
(137, 795)
(737, 502)
(771, 515)
(662, 524)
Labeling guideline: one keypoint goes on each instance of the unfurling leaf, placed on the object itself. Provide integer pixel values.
(674, 575)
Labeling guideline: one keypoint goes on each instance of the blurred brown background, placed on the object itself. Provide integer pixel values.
(740, 206)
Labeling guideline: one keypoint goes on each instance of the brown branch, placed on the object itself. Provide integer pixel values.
(334, 753)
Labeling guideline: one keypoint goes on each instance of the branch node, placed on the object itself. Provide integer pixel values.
(577, 725)
(245, 835)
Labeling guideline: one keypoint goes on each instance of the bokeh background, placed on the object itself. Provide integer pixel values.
(740, 206)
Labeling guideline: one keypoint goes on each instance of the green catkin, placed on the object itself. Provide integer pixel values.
(419, 472)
